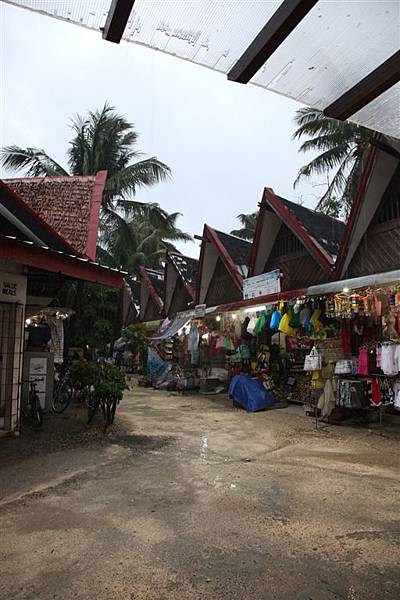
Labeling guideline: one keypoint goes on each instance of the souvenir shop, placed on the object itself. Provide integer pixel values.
(336, 349)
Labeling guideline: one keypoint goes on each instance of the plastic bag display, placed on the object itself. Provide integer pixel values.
(275, 320)
(259, 328)
(285, 327)
(313, 361)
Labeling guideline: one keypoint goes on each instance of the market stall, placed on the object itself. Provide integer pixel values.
(334, 347)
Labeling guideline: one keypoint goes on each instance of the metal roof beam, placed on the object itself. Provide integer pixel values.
(284, 20)
(117, 19)
(366, 90)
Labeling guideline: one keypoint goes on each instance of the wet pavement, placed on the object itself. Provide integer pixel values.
(187, 498)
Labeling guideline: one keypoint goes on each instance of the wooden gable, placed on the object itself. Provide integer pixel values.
(180, 299)
(379, 248)
(299, 269)
(222, 288)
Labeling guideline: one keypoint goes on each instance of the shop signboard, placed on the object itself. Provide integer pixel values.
(262, 285)
(200, 311)
(12, 288)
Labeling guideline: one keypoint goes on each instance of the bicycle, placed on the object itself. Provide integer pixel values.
(63, 389)
(33, 403)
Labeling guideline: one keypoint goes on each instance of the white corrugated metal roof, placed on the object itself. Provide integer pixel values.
(336, 44)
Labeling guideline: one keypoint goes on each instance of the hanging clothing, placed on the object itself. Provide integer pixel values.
(378, 356)
(326, 402)
(376, 397)
(389, 363)
(57, 338)
(193, 344)
(363, 362)
(397, 357)
(396, 394)
(346, 345)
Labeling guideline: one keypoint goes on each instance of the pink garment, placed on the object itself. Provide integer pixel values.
(378, 356)
(378, 307)
(363, 362)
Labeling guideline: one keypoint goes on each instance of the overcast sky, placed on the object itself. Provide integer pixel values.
(223, 141)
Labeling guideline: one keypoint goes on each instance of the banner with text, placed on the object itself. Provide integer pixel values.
(262, 285)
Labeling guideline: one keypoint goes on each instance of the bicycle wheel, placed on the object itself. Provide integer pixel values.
(62, 396)
(37, 414)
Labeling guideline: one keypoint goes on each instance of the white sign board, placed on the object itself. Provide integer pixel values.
(12, 288)
(262, 285)
(200, 311)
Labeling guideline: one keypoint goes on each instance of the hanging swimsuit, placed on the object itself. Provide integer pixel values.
(388, 362)
(376, 396)
(363, 362)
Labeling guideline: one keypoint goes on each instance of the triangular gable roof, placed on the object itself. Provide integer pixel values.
(320, 234)
(20, 219)
(152, 284)
(69, 204)
(234, 253)
(380, 165)
(186, 267)
(130, 300)
(179, 269)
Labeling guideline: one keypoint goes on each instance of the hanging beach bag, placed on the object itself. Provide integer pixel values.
(313, 361)
(343, 367)
(284, 325)
(275, 320)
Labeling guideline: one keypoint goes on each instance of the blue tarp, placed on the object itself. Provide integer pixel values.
(250, 393)
(155, 365)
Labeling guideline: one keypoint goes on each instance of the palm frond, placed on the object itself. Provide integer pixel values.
(323, 163)
(34, 161)
(144, 173)
(248, 228)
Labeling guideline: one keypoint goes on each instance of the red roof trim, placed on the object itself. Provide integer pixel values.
(36, 216)
(188, 287)
(155, 297)
(165, 285)
(225, 256)
(95, 206)
(287, 216)
(56, 262)
(257, 237)
(200, 269)
(353, 218)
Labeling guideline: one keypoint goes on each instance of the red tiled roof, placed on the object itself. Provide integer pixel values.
(71, 205)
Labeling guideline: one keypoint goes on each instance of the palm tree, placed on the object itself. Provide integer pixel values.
(341, 146)
(106, 140)
(141, 241)
(103, 140)
(248, 228)
(132, 232)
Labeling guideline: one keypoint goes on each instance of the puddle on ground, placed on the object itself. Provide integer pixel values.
(203, 447)
(352, 594)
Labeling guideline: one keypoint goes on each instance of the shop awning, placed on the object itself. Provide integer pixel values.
(75, 267)
(169, 328)
(341, 57)
(355, 283)
(332, 287)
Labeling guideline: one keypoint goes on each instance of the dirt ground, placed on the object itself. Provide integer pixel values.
(186, 498)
